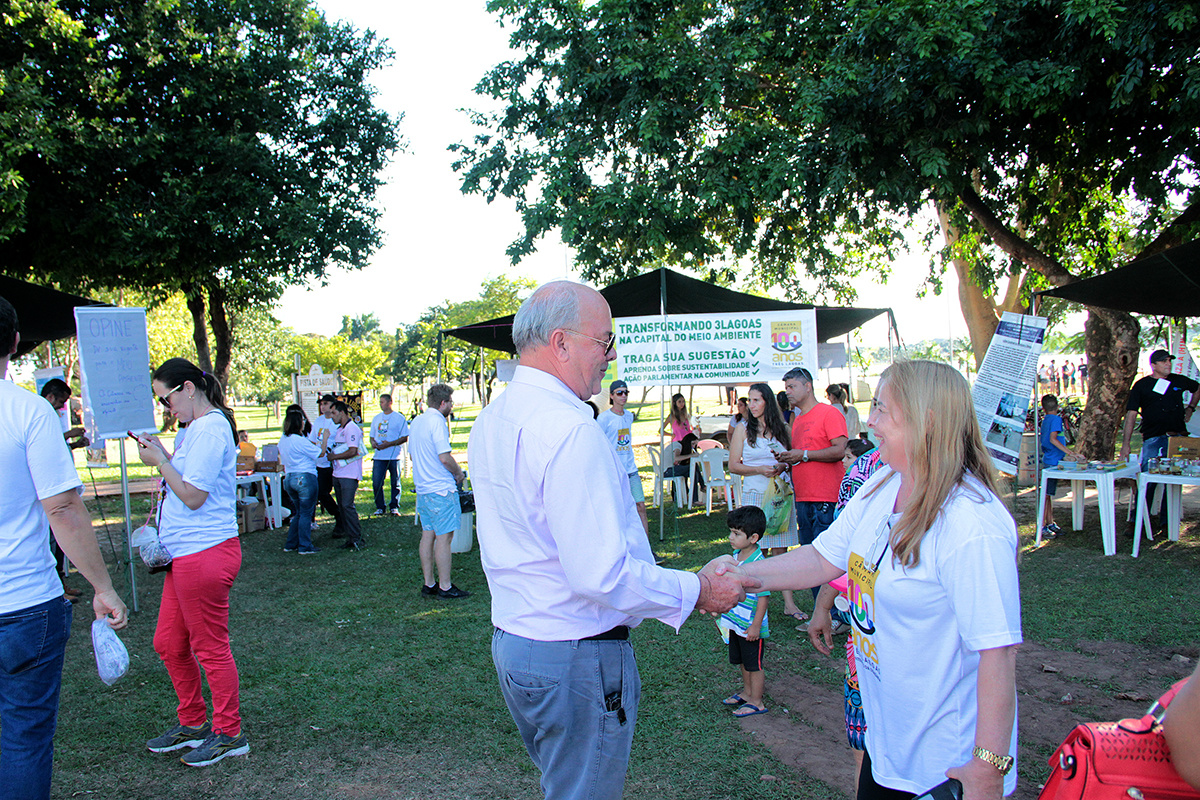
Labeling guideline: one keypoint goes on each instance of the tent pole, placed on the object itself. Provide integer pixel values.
(439, 357)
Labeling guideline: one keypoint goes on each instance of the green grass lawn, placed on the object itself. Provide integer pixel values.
(356, 686)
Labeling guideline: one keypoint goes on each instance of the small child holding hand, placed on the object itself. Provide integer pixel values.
(745, 625)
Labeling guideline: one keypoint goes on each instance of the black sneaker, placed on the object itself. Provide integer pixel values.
(312, 552)
(352, 545)
(179, 737)
(216, 747)
(453, 592)
(429, 590)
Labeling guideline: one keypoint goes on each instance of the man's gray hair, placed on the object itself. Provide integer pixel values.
(798, 374)
(551, 306)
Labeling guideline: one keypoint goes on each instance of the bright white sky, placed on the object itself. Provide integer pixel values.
(442, 245)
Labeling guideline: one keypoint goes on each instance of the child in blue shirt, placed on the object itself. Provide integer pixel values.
(745, 625)
(1054, 450)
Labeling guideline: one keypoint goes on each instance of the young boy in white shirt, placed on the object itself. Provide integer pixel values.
(745, 624)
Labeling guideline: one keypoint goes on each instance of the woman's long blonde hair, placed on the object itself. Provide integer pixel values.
(943, 445)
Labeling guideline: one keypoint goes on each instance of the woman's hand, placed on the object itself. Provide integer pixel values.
(980, 780)
(151, 452)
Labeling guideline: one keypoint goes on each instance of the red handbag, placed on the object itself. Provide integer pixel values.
(1126, 760)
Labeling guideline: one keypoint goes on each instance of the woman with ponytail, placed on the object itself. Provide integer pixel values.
(198, 525)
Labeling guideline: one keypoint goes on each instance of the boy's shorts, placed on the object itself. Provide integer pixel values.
(636, 489)
(1051, 487)
(747, 654)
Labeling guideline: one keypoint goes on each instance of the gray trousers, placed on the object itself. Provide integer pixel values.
(575, 704)
(344, 489)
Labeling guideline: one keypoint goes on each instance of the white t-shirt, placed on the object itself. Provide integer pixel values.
(619, 429)
(918, 632)
(386, 428)
(428, 438)
(36, 464)
(206, 458)
(322, 423)
(299, 454)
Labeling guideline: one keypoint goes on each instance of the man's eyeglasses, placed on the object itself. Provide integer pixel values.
(166, 398)
(608, 345)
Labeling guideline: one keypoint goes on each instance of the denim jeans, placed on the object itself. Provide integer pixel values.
(379, 471)
(32, 643)
(575, 704)
(1155, 447)
(302, 488)
(812, 518)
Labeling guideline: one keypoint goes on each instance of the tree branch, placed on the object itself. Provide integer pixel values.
(1008, 241)
(1172, 235)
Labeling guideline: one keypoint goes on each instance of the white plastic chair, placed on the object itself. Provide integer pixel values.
(678, 482)
(712, 462)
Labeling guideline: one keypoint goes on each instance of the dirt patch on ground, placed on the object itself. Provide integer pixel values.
(1056, 689)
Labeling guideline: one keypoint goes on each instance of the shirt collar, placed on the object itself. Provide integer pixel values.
(541, 379)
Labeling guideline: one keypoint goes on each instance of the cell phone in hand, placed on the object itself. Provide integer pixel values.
(134, 436)
(950, 789)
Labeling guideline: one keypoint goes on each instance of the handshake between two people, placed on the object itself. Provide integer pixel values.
(723, 584)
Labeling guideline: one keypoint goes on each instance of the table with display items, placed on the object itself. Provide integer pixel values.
(1105, 480)
(272, 483)
(1173, 484)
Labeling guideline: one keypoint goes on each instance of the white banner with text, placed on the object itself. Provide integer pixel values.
(737, 347)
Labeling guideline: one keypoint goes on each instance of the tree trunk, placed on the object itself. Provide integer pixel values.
(1112, 353)
(981, 311)
(222, 333)
(195, 304)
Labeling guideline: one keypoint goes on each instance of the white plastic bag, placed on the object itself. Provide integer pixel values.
(152, 551)
(112, 659)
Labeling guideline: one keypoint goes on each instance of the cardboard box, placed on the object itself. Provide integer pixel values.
(251, 517)
(245, 464)
(268, 466)
(1186, 446)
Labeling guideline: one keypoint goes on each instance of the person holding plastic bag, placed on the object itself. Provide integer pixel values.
(199, 528)
(931, 556)
(41, 488)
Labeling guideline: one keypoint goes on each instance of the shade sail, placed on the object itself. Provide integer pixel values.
(1165, 284)
(641, 295)
(43, 314)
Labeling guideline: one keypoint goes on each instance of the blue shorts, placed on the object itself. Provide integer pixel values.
(439, 513)
(635, 488)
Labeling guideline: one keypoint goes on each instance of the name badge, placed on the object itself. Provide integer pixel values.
(1161, 386)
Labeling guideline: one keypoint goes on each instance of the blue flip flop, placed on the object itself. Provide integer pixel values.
(749, 710)
(733, 700)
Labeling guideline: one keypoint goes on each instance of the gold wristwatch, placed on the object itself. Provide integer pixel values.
(1002, 763)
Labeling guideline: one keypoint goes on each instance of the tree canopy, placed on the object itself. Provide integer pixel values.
(225, 149)
(802, 137)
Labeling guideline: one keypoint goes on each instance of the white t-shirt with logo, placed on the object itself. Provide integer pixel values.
(386, 428)
(619, 429)
(918, 631)
(322, 423)
(36, 465)
(344, 438)
(428, 438)
(205, 457)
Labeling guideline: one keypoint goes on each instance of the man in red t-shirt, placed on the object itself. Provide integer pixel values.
(818, 446)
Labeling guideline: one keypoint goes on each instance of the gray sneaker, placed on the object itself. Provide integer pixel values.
(216, 747)
(179, 737)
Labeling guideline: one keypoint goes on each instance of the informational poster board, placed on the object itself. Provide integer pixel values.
(309, 388)
(114, 363)
(715, 348)
(1004, 386)
(1184, 365)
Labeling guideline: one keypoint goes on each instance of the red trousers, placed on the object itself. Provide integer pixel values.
(193, 631)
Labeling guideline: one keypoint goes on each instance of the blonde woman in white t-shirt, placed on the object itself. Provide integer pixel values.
(198, 525)
(930, 554)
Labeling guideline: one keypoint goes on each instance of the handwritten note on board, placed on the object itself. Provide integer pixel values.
(114, 359)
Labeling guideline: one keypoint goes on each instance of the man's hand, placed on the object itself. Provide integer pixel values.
(723, 585)
(790, 456)
(109, 604)
(980, 780)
